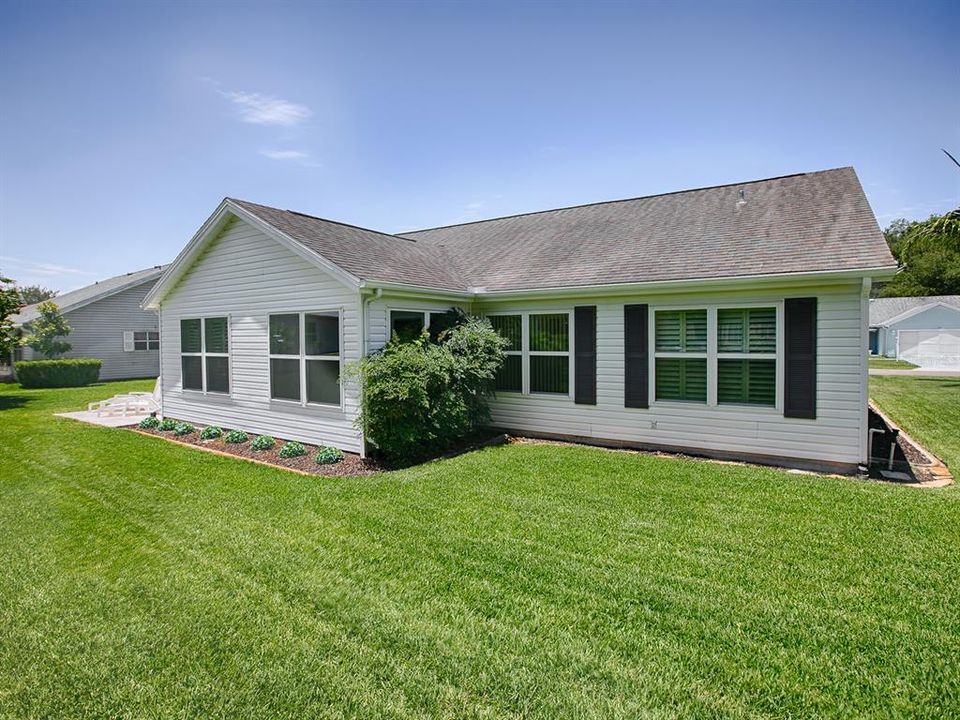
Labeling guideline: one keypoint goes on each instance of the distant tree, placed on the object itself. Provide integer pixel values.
(928, 252)
(33, 294)
(43, 333)
(9, 305)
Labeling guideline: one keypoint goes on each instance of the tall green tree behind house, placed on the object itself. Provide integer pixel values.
(44, 334)
(928, 252)
(9, 305)
(33, 294)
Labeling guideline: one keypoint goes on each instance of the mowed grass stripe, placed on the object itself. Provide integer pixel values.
(525, 581)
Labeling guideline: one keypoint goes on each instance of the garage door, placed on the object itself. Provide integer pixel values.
(931, 349)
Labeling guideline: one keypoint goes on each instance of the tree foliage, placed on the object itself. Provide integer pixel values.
(9, 305)
(33, 294)
(928, 252)
(421, 397)
(44, 333)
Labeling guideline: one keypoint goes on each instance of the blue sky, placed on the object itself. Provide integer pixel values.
(123, 125)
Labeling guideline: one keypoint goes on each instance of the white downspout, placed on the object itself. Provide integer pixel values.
(364, 345)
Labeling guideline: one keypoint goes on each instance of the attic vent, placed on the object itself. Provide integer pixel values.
(743, 199)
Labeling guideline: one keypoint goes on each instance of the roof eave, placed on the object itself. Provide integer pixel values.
(773, 279)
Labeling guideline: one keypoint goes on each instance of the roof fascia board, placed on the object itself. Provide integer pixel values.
(209, 230)
(404, 290)
(916, 311)
(772, 280)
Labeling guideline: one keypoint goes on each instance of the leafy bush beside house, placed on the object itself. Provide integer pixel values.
(420, 397)
(43, 334)
(57, 373)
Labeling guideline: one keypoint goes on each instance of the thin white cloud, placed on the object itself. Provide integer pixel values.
(43, 269)
(266, 110)
(298, 156)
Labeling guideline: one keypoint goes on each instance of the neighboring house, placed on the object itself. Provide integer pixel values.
(728, 321)
(921, 330)
(107, 322)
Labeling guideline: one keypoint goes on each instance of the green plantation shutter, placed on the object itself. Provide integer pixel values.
(681, 379)
(681, 331)
(751, 382)
(747, 330)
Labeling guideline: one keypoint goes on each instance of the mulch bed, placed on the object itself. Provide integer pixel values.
(351, 465)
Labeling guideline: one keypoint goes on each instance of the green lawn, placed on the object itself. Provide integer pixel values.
(146, 579)
(889, 363)
(927, 408)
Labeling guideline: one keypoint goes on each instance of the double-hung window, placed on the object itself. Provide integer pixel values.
(538, 354)
(680, 355)
(747, 356)
(146, 340)
(407, 325)
(205, 354)
(305, 357)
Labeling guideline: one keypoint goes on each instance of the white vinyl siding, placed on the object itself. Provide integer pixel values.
(834, 437)
(248, 276)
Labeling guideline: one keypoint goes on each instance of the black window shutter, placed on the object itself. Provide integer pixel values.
(585, 355)
(800, 359)
(636, 357)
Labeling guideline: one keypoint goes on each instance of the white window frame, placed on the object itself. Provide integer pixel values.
(425, 313)
(149, 341)
(527, 353)
(203, 355)
(303, 357)
(712, 356)
(684, 355)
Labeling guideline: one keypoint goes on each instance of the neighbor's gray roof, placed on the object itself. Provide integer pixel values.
(885, 309)
(810, 222)
(97, 291)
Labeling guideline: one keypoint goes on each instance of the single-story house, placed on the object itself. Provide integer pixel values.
(922, 330)
(107, 322)
(728, 321)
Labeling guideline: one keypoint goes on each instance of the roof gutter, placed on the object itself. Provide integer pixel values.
(769, 280)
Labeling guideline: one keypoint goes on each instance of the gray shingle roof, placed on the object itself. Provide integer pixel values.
(810, 222)
(885, 309)
(98, 290)
(363, 253)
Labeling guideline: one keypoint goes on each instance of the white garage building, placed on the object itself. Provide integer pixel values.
(922, 330)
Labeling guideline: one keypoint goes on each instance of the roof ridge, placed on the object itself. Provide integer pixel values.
(323, 219)
(621, 200)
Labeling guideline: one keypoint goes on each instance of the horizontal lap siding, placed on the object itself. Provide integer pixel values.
(248, 276)
(97, 332)
(833, 437)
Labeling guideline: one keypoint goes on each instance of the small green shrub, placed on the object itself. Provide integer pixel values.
(57, 373)
(149, 423)
(327, 455)
(168, 424)
(292, 449)
(210, 432)
(263, 442)
(183, 429)
(235, 437)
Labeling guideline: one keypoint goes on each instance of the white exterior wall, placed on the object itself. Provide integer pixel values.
(97, 332)
(247, 276)
(378, 314)
(835, 437)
